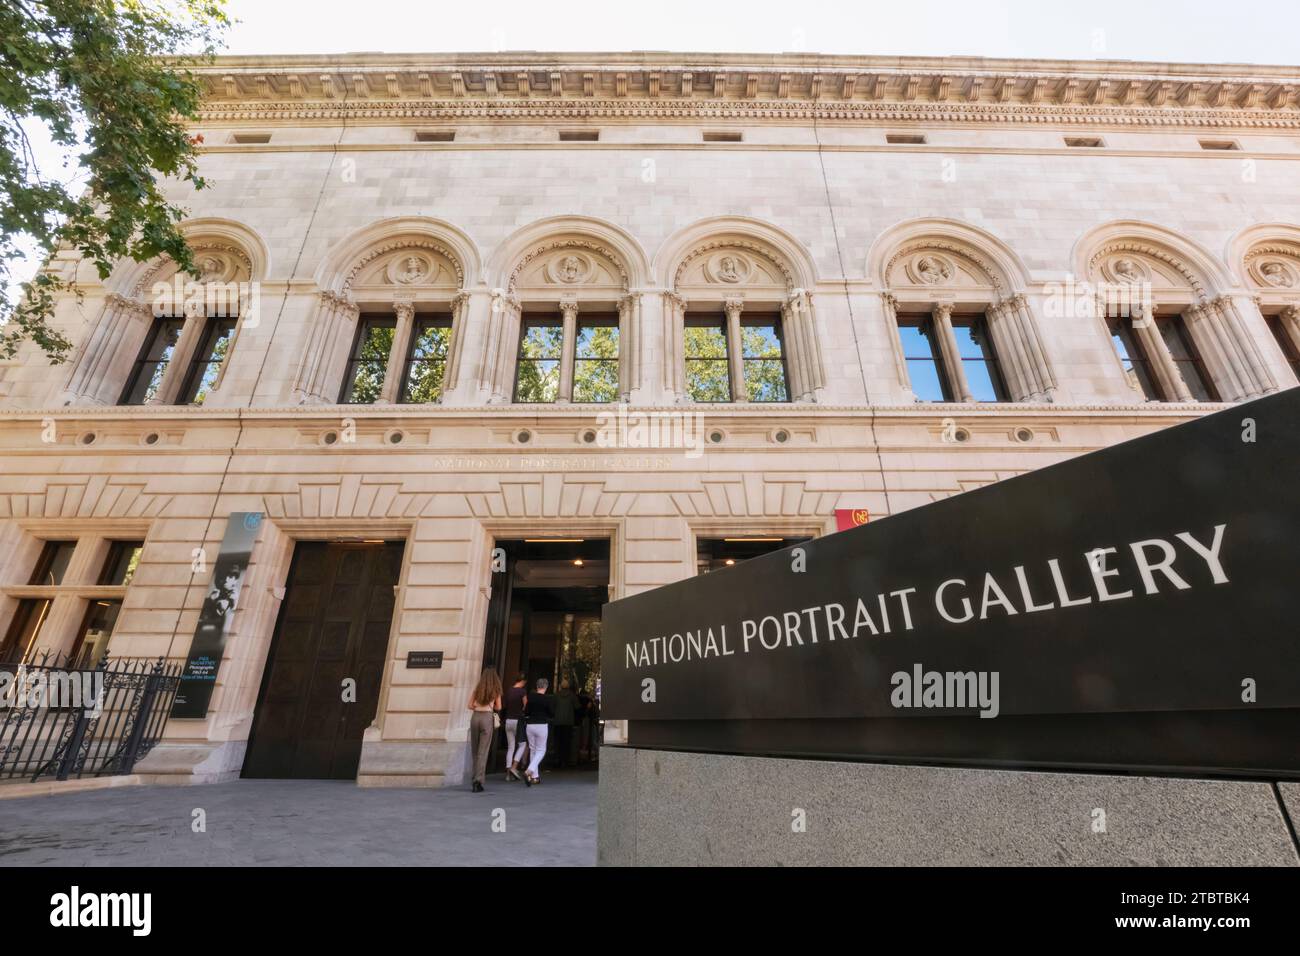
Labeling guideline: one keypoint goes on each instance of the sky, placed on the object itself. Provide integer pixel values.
(1206, 31)
(1196, 31)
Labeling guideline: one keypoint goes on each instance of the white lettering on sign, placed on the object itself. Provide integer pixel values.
(1155, 565)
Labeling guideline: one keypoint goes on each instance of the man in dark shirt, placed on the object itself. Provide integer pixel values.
(515, 699)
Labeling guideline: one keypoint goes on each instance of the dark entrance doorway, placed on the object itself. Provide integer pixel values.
(333, 625)
(544, 621)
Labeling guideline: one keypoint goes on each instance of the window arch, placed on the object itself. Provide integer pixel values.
(739, 315)
(565, 318)
(1268, 256)
(964, 328)
(387, 327)
(1178, 335)
(166, 337)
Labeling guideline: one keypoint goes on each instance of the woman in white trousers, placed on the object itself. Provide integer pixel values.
(538, 714)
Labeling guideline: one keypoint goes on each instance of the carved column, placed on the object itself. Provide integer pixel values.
(190, 339)
(673, 366)
(942, 314)
(889, 307)
(502, 346)
(792, 336)
(735, 349)
(1205, 325)
(102, 346)
(568, 348)
(405, 310)
(332, 328)
(1162, 363)
(456, 348)
(807, 374)
(1011, 351)
(630, 351)
(1262, 380)
(1043, 371)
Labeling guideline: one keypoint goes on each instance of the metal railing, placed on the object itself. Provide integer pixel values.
(66, 721)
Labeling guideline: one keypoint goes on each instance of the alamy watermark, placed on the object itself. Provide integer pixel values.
(26, 688)
(1074, 299)
(210, 297)
(668, 429)
(945, 690)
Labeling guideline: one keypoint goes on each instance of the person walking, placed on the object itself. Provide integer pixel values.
(484, 702)
(515, 699)
(538, 714)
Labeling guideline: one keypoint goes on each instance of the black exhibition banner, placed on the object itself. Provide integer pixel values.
(200, 675)
(1160, 575)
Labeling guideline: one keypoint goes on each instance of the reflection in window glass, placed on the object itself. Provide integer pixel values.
(763, 359)
(146, 378)
(363, 379)
(707, 377)
(25, 630)
(120, 565)
(924, 368)
(52, 565)
(427, 364)
(207, 361)
(595, 367)
(96, 631)
(1185, 357)
(541, 345)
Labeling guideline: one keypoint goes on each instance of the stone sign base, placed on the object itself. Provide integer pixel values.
(660, 808)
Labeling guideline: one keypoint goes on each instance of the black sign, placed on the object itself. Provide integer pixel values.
(200, 675)
(1158, 576)
(421, 659)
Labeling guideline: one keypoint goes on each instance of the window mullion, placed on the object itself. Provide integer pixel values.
(395, 370)
(568, 349)
(178, 365)
(952, 360)
(1161, 359)
(735, 349)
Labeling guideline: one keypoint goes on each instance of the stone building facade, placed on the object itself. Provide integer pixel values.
(955, 270)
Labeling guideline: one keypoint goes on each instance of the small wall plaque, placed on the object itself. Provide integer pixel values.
(418, 659)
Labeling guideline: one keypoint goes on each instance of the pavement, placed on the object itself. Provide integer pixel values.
(307, 823)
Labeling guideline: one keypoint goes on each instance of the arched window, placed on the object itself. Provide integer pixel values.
(1271, 268)
(564, 321)
(387, 326)
(740, 321)
(964, 332)
(1176, 337)
(165, 337)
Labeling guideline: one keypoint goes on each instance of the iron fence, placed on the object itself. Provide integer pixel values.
(60, 718)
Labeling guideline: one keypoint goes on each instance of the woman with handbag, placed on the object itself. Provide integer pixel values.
(485, 701)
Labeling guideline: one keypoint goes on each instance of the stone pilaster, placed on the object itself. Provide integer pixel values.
(331, 329)
(631, 331)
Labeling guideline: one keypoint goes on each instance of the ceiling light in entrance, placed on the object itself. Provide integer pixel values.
(554, 540)
(745, 540)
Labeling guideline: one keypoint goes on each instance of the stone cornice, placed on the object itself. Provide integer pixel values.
(721, 87)
(541, 415)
